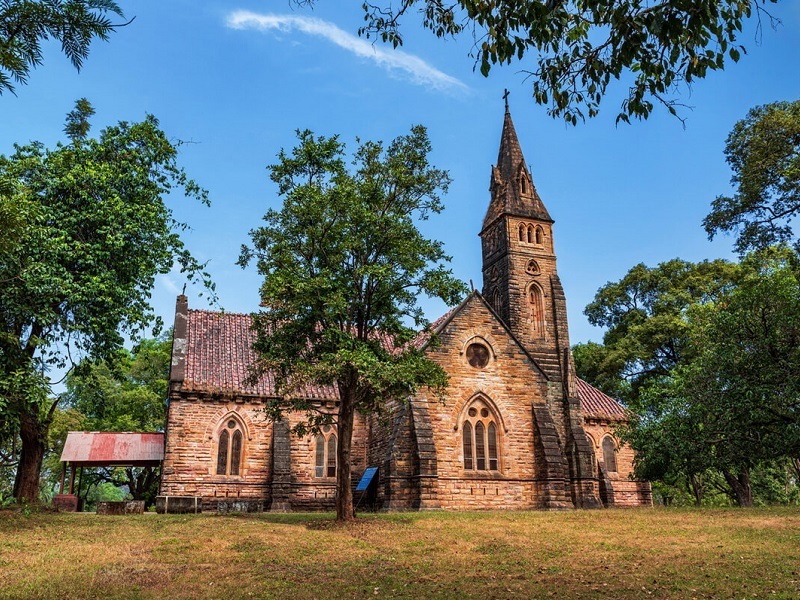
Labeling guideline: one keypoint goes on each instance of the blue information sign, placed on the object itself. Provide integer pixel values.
(366, 478)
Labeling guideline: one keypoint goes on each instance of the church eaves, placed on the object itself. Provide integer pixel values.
(512, 189)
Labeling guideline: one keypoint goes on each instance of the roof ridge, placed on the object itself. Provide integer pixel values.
(220, 312)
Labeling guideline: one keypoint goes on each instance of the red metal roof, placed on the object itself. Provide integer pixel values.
(597, 405)
(95, 448)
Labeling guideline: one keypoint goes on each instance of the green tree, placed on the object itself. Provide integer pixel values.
(647, 339)
(125, 394)
(744, 381)
(645, 317)
(343, 264)
(26, 24)
(763, 150)
(583, 45)
(81, 276)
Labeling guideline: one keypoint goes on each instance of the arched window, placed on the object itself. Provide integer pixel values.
(539, 236)
(536, 309)
(230, 447)
(609, 454)
(522, 185)
(521, 232)
(491, 443)
(495, 300)
(325, 455)
(479, 438)
(530, 234)
(467, 437)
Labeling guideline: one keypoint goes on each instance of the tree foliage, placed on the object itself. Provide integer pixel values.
(26, 24)
(763, 150)
(126, 393)
(582, 46)
(80, 275)
(343, 265)
(714, 366)
(745, 378)
(645, 317)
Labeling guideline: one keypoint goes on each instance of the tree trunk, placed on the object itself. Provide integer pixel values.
(697, 488)
(140, 484)
(344, 489)
(796, 464)
(741, 487)
(33, 435)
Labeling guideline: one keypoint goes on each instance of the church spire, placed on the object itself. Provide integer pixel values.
(511, 186)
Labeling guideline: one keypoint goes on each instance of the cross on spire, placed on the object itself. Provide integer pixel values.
(505, 97)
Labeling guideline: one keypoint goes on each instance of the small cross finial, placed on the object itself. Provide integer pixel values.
(505, 97)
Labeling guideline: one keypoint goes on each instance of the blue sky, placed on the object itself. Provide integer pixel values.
(237, 79)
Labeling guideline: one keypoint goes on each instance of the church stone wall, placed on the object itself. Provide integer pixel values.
(308, 492)
(512, 384)
(627, 492)
(189, 467)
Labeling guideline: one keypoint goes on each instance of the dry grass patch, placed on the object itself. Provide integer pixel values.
(579, 554)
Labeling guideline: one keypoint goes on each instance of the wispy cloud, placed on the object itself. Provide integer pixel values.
(413, 67)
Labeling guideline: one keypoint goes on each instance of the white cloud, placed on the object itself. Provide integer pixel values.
(417, 69)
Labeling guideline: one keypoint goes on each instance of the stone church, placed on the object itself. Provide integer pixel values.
(519, 429)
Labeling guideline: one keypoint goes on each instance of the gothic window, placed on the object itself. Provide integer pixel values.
(532, 268)
(479, 438)
(536, 307)
(539, 236)
(521, 232)
(494, 300)
(609, 454)
(522, 185)
(466, 434)
(530, 234)
(325, 455)
(229, 448)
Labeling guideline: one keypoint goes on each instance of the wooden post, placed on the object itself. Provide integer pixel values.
(63, 474)
(72, 479)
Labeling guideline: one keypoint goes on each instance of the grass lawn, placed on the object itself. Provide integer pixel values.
(658, 553)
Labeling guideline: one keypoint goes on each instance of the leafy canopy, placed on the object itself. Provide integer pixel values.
(581, 46)
(126, 393)
(645, 317)
(763, 150)
(343, 265)
(745, 378)
(97, 230)
(26, 24)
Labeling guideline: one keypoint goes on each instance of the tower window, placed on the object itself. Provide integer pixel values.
(539, 236)
(530, 234)
(532, 268)
(536, 307)
(521, 232)
(522, 185)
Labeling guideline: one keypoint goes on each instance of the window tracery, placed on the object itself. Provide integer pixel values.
(325, 454)
(479, 438)
(230, 446)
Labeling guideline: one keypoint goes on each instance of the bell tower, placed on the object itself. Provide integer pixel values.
(521, 283)
(520, 279)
